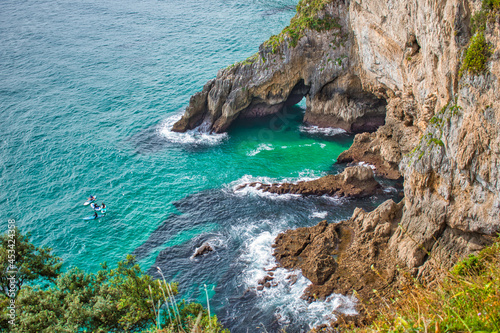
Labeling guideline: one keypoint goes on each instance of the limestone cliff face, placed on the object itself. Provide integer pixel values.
(391, 66)
(452, 178)
(441, 132)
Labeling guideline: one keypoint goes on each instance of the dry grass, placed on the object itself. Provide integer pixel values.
(466, 300)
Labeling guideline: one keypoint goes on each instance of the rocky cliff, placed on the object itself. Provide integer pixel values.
(425, 75)
(311, 58)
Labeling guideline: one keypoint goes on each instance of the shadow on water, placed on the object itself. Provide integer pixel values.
(147, 141)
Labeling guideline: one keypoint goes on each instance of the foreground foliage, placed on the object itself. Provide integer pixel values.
(21, 259)
(111, 300)
(467, 300)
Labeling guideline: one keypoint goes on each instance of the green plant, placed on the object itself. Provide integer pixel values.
(488, 10)
(436, 141)
(21, 259)
(471, 265)
(309, 16)
(476, 55)
(466, 300)
(111, 300)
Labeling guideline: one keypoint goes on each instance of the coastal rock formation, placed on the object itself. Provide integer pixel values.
(347, 256)
(353, 182)
(407, 60)
(282, 73)
(202, 250)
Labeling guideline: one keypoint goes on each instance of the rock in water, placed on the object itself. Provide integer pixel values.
(316, 66)
(203, 249)
(353, 182)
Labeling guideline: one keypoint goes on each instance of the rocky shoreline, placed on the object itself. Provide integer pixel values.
(395, 71)
(353, 182)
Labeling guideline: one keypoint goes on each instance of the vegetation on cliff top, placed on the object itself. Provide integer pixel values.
(309, 15)
(466, 300)
(111, 300)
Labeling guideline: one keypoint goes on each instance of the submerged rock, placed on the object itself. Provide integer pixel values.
(202, 250)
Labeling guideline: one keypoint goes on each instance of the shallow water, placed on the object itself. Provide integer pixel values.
(88, 92)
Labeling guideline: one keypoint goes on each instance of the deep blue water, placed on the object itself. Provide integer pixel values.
(88, 92)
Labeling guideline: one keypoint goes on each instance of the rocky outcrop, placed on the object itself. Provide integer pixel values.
(347, 256)
(280, 74)
(344, 104)
(202, 250)
(353, 182)
(441, 131)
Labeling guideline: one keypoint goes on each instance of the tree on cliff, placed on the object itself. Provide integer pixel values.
(21, 261)
(111, 300)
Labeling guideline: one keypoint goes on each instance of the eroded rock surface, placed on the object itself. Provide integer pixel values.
(350, 257)
(440, 132)
(202, 250)
(353, 182)
(318, 68)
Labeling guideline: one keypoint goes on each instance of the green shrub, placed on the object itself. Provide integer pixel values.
(307, 17)
(123, 299)
(476, 55)
(472, 265)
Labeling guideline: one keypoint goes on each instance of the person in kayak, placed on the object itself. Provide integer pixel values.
(103, 208)
(91, 198)
(95, 215)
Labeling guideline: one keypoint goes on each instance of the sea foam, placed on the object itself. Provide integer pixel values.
(198, 136)
(287, 287)
(328, 131)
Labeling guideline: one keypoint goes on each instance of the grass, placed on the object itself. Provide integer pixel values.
(466, 300)
(174, 317)
(488, 11)
(309, 16)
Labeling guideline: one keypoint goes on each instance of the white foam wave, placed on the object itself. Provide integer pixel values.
(286, 287)
(197, 136)
(321, 215)
(390, 189)
(373, 167)
(322, 145)
(240, 186)
(261, 147)
(255, 190)
(329, 131)
(335, 199)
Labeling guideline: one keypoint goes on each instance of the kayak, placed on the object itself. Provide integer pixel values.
(86, 203)
(93, 217)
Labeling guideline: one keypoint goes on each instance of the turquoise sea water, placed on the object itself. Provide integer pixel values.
(88, 92)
